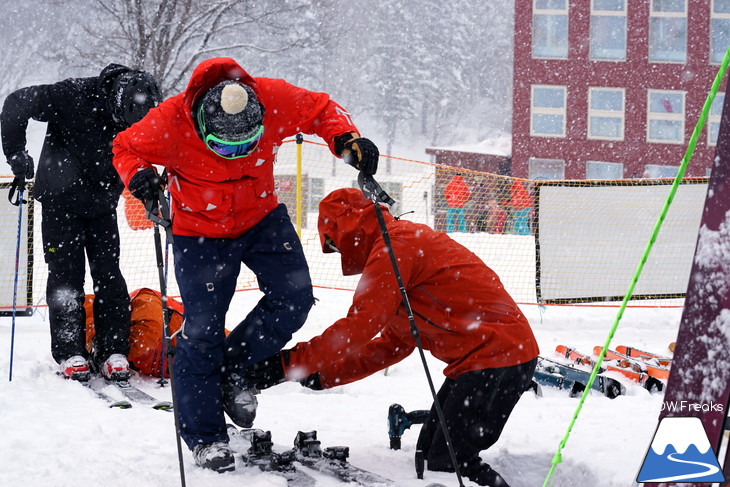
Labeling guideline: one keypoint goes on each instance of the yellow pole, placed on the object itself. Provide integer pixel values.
(300, 140)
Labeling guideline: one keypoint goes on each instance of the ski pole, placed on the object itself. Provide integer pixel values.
(372, 190)
(158, 212)
(18, 184)
(167, 338)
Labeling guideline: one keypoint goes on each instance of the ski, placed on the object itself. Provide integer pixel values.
(646, 356)
(700, 362)
(656, 371)
(113, 403)
(132, 393)
(261, 455)
(333, 461)
(631, 370)
(563, 376)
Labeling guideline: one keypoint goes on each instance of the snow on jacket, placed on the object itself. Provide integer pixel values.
(457, 192)
(463, 313)
(213, 196)
(75, 165)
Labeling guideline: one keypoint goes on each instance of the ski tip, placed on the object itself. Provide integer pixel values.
(163, 406)
(121, 405)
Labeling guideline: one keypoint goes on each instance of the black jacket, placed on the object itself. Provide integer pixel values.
(75, 167)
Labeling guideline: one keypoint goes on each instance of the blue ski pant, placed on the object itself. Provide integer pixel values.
(206, 270)
(455, 221)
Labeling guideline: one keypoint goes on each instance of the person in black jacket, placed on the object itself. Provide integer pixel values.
(79, 189)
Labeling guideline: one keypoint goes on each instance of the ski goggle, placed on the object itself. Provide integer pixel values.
(227, 149)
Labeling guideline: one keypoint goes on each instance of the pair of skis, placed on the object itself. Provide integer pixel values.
(308, 452)
(552, 373)
(133, 394)
(643, 368)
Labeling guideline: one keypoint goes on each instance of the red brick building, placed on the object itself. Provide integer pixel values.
(609, 89)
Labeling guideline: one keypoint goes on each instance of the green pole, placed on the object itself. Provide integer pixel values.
(557, 458)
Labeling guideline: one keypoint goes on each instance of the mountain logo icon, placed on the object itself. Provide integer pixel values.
(680, 452)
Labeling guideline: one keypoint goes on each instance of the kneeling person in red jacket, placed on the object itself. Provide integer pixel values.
(464, 315)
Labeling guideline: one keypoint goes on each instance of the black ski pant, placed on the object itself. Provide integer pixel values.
(67, 236)
(476, 406)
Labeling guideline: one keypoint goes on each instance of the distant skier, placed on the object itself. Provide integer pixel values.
(218, 141)
(464, 315)
(79, 190)
(456, 194)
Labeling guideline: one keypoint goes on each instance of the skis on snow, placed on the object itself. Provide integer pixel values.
(333, 461)
(307, 451)
(261, 455)
(112, 402)
(133, 395)
(563, 376)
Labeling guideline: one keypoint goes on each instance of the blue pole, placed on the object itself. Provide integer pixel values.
(15, 282)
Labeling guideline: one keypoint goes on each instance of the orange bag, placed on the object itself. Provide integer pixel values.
(145, 335)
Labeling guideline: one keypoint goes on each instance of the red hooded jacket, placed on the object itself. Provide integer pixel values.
(464, 315)
(213, 196)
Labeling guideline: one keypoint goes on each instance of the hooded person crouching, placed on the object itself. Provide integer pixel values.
(464, 315)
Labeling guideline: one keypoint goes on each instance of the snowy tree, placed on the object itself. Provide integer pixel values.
(170, 37)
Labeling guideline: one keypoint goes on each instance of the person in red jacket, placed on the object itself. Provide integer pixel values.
(464, 315)
(456, 194)
(217, 141)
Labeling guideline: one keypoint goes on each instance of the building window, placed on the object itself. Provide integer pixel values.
(668, 31)
(546, 169)
(713, 120)
(606, 113)
(550, 29)
(604, 170)
(658, 171)
(608, 30)
(547, 110)
(665, 117)
(719, 30)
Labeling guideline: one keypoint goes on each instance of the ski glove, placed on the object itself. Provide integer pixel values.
(358, 152)
(268, 372)
(22, 165)
(312, 382)
(145, 185)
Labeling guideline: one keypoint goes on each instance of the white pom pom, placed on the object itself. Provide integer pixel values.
(234, 99)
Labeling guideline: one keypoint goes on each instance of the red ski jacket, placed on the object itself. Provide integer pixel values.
(213, 196)
(463, 313)
(457, 192)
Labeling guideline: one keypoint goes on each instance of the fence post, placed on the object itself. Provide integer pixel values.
(300, 209)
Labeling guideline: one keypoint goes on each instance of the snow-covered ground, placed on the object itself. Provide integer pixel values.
(55, 433)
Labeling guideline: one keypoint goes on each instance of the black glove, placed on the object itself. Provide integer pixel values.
(268, 372)
(359, 152)
(22, 165)
(145, 185)
(312, 382)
